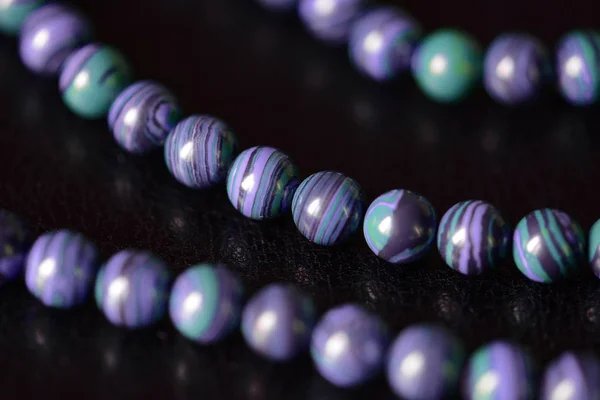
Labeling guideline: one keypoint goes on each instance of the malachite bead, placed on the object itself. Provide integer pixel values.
(578, 67)
(14, 12)
(594, 249)
(548, 245)
(447, 65)
(92, 78)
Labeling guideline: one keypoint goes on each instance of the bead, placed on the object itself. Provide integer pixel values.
(142, 116)
(49, 35)
(277, 322)
(499, 370)
(578, 67)
(572, 376)
(262, 182)
(206, 303)
(92, 78)
(200, 150)
(14, 245)
(382, 41)
(60, 268)
(515, 68)
(447, 65)
(348, 345)
(400, 226)
(594, 249)
(132, 289)
(14, 12)
(548, 245)
(329, 20)
(278, 5)
(425, 363)
(473, 237)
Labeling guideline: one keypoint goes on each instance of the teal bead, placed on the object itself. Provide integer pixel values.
(447, 65)
(13, 14)
(92, 78)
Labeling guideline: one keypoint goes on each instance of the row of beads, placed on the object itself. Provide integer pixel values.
(348, 345)
(384, 42)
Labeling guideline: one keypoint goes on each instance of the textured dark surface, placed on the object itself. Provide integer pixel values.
(274, 85)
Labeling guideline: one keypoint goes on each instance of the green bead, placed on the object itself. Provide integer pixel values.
(14, 12)
(447, 65)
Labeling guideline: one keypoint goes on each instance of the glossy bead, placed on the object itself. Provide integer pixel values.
(400, 226)
(578, 67)
(14, 12)
(14, 245)
(200, 150)
(278, 5)
(548, 245)
(425, 363)
(277, 322)
(92, 78)
(473, 237)
(499, 370)
(515, 68)
(60, 268)
(382, 41)
(447, 65)
(594, 248)
(132, 289)
(572, 376)
(206, 303)
(262, 182)
(142, 116)
(348, 345)
(49, 35)
(329, 20)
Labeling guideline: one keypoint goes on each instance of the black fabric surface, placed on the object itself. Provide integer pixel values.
(274, 85)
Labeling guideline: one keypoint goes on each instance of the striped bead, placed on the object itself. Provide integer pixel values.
(594, 248)
(572, 376)
(132, 289)
(400, 226)
(200, 150)
(329, 20)
(261, 182)
(578, 67)
(328, 207)
(14, 245)
(473, 237)
(548, 245)
(60, 268)
(14, 12)
(142, 116)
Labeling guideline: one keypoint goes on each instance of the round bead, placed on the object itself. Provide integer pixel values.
(594, 249)
(578, 67)
(499, 370)
(14, 245)
(425, 363)
(14, 12)
(548, 245)
(206, 303)
(447, 65)
(49, 35)
(329, 20)
(572, 376)
(348, 345)
(277, 322)
(200, 150)
(278, 5)
(132, 289)
(400, 226)
(60, 268)
(262, 182)
(473, 237)
(382, 41)
(515, 68)
(142, 116)
(92, 78)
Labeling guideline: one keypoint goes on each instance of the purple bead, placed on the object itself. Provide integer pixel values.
(278, 5)
(132, 289)
(329, 20)
(382, 41)
(515, 68)
(60, 268)
(425, 363)
(14, 245)
(206, 303)
(348, 345)
(277, 322)
(49, 35)
(142, 116)
(578, 67)
(572, 376)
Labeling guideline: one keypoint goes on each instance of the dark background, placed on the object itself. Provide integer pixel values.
(270, 81)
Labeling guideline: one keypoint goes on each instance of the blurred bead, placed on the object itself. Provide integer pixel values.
(572, 376)
(594, 248)
(578, 67)
(400, 226)
(278, 5)
(14, 245)
(329, 20)
(328, 207)
(14, 12)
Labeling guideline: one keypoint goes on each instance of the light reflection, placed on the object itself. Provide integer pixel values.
(373, 42)
(265, 323)
(248, 182)
(192, 303)
(324, 7)
(385, 226)
(505, 68)
(438, 64)
(186, 152)
(47, 268)
(574, 66)
(118, 289)
(487, 384)
(565, 390)
(131, 117)
(41, 38)
(81, 80)
(314, 207)
(534, 245)
(336, 345)
(6, 3)
(458, 239)
(412, 365)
